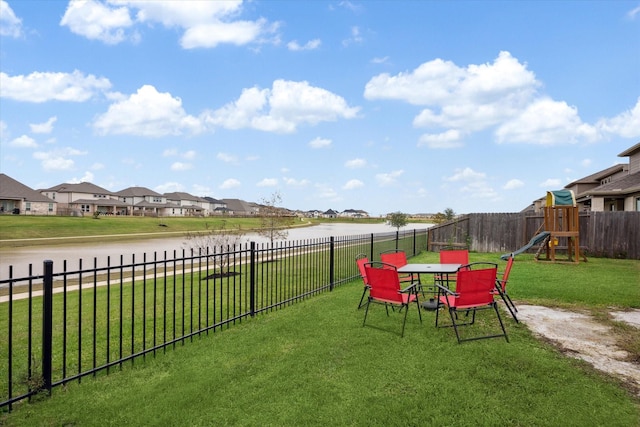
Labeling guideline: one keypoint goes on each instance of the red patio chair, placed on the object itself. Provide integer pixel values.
(384, 288)
(456, 256)
(396, 258)
(501, 289)
(361, 260)
(474, 291)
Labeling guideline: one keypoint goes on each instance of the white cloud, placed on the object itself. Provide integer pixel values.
(169, 187)
(320, 143)
(513, 184)
(24, 141)
(355, 163)
(355, 38)
(189, 155)
(626, 124)
(97, 21)
(87, 177)
(180, 166)
(282, 108)
(10, 24)
(205, 24)
(97, 166)
(296, 182)
(310, 45)
(324, 191)
(45, 127)
(586, 163)
(42, 87)
(473, 183)
(227, 158)
(448, 139)
(353, 184)
(268, 182)
(551, 183)
(201, 190)
(4, 131)
(466, 174)
(633, 13)
(546, 122)
(170, 152)
(147, 113)
(57, 159)
(380, 60)
(229, 184)
(387, 179)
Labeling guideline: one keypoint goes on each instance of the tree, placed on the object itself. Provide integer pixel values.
(397, 220)
(217, 245)
(273, 220)
(449, 214)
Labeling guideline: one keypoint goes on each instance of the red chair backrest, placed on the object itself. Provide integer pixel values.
(475, 287)
(384, 283)
(505, 275)
(363, 272)
(454, 257)
(397, 259)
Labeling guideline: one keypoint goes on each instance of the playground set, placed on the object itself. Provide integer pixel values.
(561, 225)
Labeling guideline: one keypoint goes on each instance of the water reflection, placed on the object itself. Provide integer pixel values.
(20, 258)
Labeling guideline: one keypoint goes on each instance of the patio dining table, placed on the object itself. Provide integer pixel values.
(441, 269)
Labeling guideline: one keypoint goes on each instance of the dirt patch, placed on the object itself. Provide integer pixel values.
(579, 335)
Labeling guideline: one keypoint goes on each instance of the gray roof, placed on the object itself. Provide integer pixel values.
(83, 187)
(10, 189)
(237, 205)
(596, 177)
(628, 184)
(179, 195)
(138, 192)
(630, 151)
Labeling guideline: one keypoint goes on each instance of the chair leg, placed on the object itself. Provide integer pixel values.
(510, 305)
(495, 307)
(455, 325)
(404, 322)
(366, 312)
(364, 292)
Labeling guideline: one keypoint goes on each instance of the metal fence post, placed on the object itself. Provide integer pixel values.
(47, 324)
(331, 263)
(397, 238)
(252, 280)
(371, 245)
(414, 242)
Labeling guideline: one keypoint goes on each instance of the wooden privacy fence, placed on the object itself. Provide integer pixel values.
(602, 234)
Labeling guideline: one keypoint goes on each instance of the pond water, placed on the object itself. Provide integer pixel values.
(20, 258)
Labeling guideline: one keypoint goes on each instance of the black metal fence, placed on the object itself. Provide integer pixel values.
(64, 325)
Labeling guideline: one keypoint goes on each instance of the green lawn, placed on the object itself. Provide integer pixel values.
(315, 364)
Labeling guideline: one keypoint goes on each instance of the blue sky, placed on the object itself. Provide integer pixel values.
(412, 106)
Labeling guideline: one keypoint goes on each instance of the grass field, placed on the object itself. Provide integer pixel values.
(315, 364)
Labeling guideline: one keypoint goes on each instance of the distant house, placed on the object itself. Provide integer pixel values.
(616, 188)
(85, 198)
(17, 198)
(216, 207)
(330, 214)
(353, 213)
(185, 204)
(142, 201)
(240, 207)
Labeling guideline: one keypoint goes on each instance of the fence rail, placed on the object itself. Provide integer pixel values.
(602, 234)
(64, 325)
